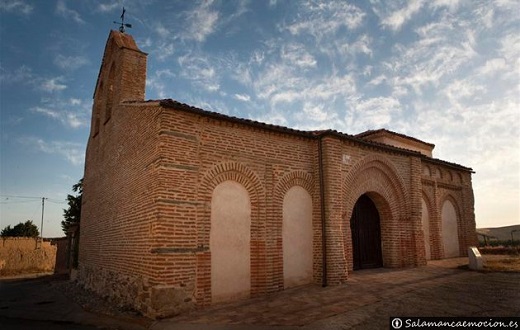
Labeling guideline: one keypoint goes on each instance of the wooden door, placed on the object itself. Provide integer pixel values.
(366, 234)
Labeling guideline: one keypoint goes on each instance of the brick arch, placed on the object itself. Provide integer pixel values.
(289, 180)
(426, 170)
(456, 202)
(238, 172)
(430, 205)
(432, 225)
(233, 171)
(454, 199)
(375, 173)
(296, 178)
(377, 177)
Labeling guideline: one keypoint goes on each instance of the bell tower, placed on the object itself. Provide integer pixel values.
(122, 77)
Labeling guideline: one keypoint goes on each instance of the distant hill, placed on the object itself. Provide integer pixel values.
(500, 233)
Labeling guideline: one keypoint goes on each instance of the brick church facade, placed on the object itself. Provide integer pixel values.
(184, 208)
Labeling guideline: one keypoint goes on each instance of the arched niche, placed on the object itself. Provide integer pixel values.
(230, 236)
(450, 233)
(425, 221)
(297, 237)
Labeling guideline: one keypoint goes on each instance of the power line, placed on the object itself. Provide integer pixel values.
(35, 199)
(17, 202)
(13, 196)
(43, 199)
(56, 201)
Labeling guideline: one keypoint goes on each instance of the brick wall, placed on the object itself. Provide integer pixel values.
(119, 204)
(151, 168)
(440, 183)
(154, 174)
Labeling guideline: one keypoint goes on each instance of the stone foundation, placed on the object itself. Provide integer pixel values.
(169, 300)
(127, 291)
(135, 292)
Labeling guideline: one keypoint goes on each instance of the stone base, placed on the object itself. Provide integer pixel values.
(135, 292)
(127, 291)
(167, 301)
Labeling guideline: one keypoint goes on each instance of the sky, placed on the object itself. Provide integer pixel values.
(446, 72)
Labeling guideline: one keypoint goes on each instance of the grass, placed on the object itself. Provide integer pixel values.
(505, 263)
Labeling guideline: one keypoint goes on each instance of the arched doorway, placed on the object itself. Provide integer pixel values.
(366, 234)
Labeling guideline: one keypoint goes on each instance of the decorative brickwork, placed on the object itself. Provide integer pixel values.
(377, 177)
(151, 169)
(289, 180)
(239, 173)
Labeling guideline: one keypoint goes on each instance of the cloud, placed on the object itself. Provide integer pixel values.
(161, 30)
(483, 137)
(164, 51)
(70, 63)
(378, 80)
(398, 18)
(452, 5)
(377, 112)
(199, 70)
(360, 46)
(441, 50)
(202, 21)
(102, 7)
(297, 55)
(16, 6)
(510, 47)
(67, 118)
(73, 113)
(493, 66)
(461, 92)
(64, 11)
(292, 76)
(52, 85)
(324, 19)
(242, 97)
(71, 151)
(23, 74)
(315, 116)
(157, 82)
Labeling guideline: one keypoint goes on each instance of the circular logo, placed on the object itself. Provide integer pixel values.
(396, 323)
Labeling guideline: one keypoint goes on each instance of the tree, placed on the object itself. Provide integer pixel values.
(72, 215)
(27, 229)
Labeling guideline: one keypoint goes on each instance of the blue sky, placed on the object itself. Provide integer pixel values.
(446, 72)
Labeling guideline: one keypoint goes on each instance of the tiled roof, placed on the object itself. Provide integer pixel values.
(384, 130)
(169, 103)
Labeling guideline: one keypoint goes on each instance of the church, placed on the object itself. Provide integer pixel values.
(185, 208)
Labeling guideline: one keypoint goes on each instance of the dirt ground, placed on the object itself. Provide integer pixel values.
(370, 297)
(366, 301)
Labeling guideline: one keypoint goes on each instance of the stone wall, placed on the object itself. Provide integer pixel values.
(21, 255)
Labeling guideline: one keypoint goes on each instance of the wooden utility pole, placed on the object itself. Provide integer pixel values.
(41, 226)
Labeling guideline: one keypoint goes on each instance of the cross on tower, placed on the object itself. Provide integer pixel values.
(122, 24)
